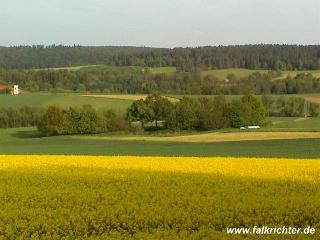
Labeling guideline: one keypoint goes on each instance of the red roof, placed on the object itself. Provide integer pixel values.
(4, 86)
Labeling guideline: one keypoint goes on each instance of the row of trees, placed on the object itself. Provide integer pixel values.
(290, 106)
(285, 57)
(200, 114)
(83, 120)
(159, 113)
(135, 81)
(20, 117)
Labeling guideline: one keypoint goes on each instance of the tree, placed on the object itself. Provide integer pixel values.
(183, 116)
(114, 121)
(159, 107)
(292, 107)
(267, 102)
(154, 108)
(84, 120)
(253, 111)
(81, 88)
(91, 121)
(248, 111)
(51, 122)
(139, 111)
(212, 113)
(313, 110)
(234, 114)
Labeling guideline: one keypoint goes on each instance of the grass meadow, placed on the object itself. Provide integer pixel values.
(64, 101)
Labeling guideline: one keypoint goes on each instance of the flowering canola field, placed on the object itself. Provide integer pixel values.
(83, 197)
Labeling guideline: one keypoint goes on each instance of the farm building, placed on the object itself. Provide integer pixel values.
(10, 89)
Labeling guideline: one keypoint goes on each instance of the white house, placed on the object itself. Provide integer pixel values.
(10, 89)
(15, 90)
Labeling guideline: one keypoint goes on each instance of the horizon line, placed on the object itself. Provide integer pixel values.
(157, 47)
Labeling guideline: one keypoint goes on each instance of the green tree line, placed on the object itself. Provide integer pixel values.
(284, 57)
(197, 114)
(136, 81)
(157, 112)
(289, 107)
(83, 120)
(20, 117)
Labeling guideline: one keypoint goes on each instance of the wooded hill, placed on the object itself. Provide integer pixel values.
(272, 57)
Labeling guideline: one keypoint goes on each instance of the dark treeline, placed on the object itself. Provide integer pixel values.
(136, 80)
(79, 120)
(275, 57)
(197, 114)
(20, 117)
(289, 107)
(211, 114)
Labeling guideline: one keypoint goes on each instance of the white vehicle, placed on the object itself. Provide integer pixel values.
(250, 127)
(253, 127)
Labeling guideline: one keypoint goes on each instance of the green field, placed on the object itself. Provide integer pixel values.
(97, 101)
(240, 72)
(102, 67)
(29, 141)
(295, 124)
(219, 73)
(63, 100)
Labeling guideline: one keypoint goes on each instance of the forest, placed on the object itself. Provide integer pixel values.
(275, 57)
(135, 81)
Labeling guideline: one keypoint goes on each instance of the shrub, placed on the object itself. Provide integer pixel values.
(51, 122)
(84, 120)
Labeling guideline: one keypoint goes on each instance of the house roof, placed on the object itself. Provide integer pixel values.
(4, 86)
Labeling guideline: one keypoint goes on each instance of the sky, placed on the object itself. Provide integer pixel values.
(159, 23)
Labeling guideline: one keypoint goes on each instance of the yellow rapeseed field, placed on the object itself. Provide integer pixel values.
(89, 197)
(274, 168)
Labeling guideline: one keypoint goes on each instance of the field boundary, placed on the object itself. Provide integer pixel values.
(130, 97)
(213, 137)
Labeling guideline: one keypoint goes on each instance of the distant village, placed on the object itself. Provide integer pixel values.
(9, 89)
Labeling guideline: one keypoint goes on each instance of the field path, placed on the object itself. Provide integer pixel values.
(214, 137)
(315, 100)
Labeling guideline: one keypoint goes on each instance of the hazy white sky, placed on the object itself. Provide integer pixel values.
(159, 23)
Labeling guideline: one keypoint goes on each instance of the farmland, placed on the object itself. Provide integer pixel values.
(115, 101)
(29, 141)
(300, 135)
(216, 137)
(221, 74)
(130, 97)
(76, 197)
(165, 169)
(63, 100)
(102, 67)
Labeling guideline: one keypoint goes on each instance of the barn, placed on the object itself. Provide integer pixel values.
(10, 89)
